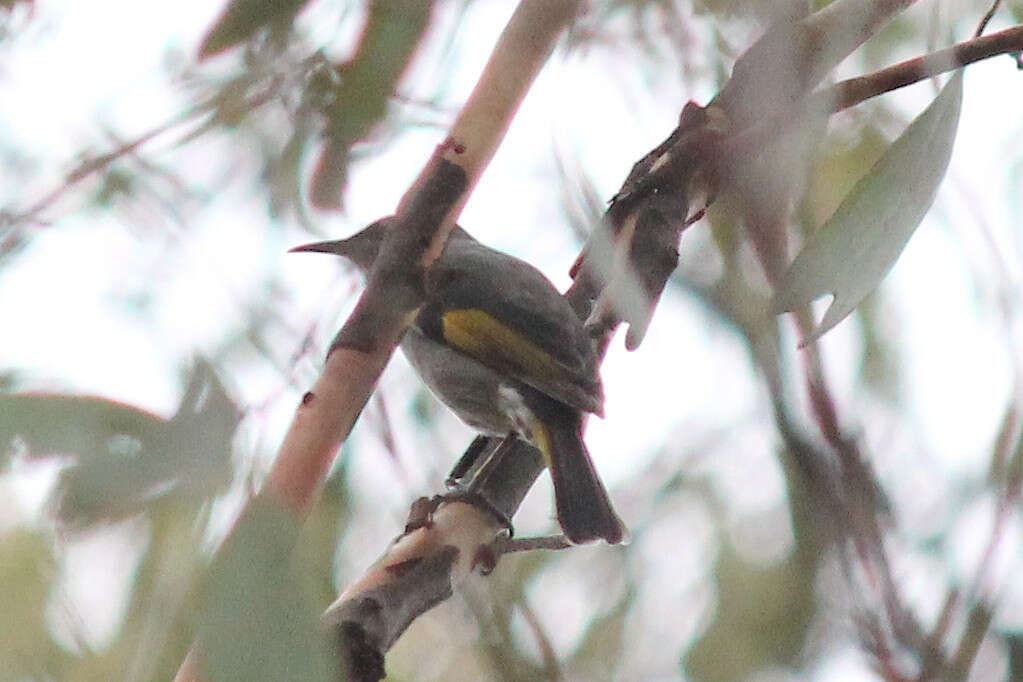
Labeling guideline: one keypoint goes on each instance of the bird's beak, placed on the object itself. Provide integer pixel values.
(320, 247)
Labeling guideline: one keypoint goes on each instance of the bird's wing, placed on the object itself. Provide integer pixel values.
(504, 313)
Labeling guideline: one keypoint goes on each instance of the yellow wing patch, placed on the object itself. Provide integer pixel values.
(541, 441)
(494, 343)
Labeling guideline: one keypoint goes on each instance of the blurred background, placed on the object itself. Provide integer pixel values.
(155, 339)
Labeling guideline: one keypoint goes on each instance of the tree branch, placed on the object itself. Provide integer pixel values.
(394, 291)
(635, 255)
(645, 220)
(853, 91)
(427, 562)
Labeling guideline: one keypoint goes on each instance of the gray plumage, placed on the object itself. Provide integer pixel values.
(498, 344)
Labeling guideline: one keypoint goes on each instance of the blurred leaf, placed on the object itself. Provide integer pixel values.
(893, 37)
(1014, 471)
(27, 568)
(114, 184)
(762, 619)
(501, 647)
(768, 184)
(49, 424)
(254, 623)
(604, 641)
(9, 5)
(1008, 443)
(794, 54)
(880, 370)
(242, 19)
(359, 98)
(763, 10)
(1014, 642)
(838, 164)
(190, 454)
(283, 172)
(158, 624)
(125, 457)
(8, 380)
(516, 572)
(321, 532)
(850, 254)
(424, 408)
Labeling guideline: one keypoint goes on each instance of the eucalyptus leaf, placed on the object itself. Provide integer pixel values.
(255, 621)
(853, 251)
(188, 455)
(122, 458)
(242, 19)
(390, 37)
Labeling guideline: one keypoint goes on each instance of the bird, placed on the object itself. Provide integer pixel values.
(497, 344)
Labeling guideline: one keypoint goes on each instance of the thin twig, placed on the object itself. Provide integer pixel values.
(10, 220)
(509, 545)
(543, 642)
(87, 167)
(986, 18)
(854, 91)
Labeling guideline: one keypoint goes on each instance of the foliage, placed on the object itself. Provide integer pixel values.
(186, 222)
(850, 254)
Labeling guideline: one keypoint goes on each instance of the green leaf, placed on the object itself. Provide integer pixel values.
(606, 637)
(387, 46)
(44, 425)
(125, 458)
(189, 455)
(1013, 641)
(27, 570)
(255, 622)
(242, 19)
(762, 619)
(850, 254)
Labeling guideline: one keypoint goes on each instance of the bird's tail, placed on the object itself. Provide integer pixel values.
(584, 508)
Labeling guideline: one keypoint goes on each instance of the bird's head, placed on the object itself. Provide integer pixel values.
(361, 248)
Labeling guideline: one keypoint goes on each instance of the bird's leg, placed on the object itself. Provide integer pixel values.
(489, 465)
(466, 461)
(472, 470)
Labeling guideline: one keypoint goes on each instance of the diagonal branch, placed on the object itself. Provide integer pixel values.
(646, 219)
(638, 246)
(854, 91)
(362, 348)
